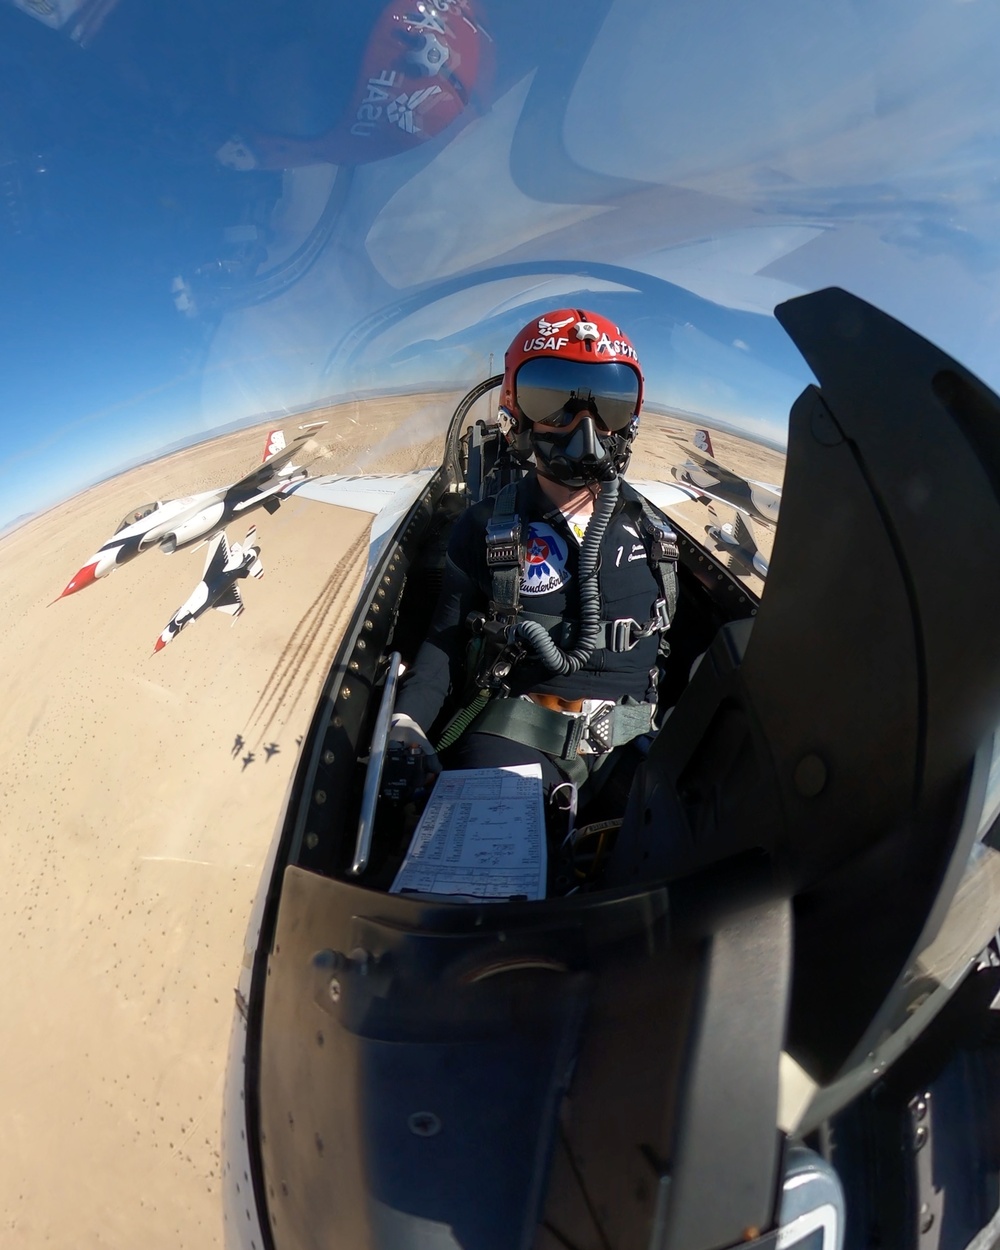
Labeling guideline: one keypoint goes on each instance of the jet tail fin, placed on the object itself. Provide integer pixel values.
(703, 441)
(251, 546)
(273, 444)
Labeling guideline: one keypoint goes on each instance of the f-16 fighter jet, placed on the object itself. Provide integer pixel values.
(224, 566)
(177, 523)
(759, 500)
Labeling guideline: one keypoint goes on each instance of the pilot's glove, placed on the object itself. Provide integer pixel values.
(403, 728)
(411, 763)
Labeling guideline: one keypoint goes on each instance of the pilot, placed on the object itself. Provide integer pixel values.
(549, 631)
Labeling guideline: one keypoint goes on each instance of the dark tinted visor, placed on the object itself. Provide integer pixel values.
(553, 391)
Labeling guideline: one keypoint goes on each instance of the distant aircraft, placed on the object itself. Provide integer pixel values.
(224, 566)
(738, 538)
(177, 523)
(760, 500)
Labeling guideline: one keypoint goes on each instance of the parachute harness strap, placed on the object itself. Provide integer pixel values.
(508, 636)
(505, 554)
(664, 554)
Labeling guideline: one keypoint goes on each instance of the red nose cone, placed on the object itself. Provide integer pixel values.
(86, 577)
(160, 644)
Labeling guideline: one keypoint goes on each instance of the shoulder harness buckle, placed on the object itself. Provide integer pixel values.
(663, 545)
(503, 542)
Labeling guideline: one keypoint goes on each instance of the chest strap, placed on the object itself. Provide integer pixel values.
(623, 634)
(662, 549)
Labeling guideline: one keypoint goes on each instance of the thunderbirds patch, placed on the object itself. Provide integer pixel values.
(545, 561)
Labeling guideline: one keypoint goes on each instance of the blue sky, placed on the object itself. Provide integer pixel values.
(721, 169)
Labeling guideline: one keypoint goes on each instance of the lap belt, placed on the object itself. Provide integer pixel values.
(561, 735)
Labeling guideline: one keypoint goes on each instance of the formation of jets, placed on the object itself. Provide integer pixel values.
(174, 524)
(199, 519)
(192, 520)
(753, 503)
(760, 501)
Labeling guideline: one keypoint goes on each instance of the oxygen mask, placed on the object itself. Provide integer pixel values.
(575, 457)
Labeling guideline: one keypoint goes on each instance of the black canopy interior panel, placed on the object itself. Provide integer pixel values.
(840, 732)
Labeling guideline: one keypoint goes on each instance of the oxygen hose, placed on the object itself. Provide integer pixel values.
(536, 636)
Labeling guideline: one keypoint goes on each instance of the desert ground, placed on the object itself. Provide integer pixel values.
(138, 796)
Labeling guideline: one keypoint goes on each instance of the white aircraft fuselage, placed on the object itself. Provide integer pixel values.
(191, 519)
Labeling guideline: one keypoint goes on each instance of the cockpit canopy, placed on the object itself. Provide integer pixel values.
(137, 514)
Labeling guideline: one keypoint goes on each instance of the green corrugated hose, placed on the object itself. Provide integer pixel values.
(461, 721)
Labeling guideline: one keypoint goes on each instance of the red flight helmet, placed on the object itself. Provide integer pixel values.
(564, 362)
(423, 67)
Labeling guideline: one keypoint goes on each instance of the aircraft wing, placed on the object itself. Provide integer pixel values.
(265, 472)
(664, 494)
(715, 481)
(216, 557)
(230, 601)
(389, 498)
(727, 477)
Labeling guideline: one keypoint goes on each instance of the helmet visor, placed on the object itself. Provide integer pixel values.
(549, 391)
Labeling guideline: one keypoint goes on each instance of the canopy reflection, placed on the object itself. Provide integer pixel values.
(202, 230)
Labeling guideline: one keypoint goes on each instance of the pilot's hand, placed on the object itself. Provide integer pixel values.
(404, 729)
(411, 763)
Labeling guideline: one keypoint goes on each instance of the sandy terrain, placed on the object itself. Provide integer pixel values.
(137, 802)
(136, 806)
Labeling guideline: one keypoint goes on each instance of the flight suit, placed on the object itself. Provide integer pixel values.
(549, 591)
